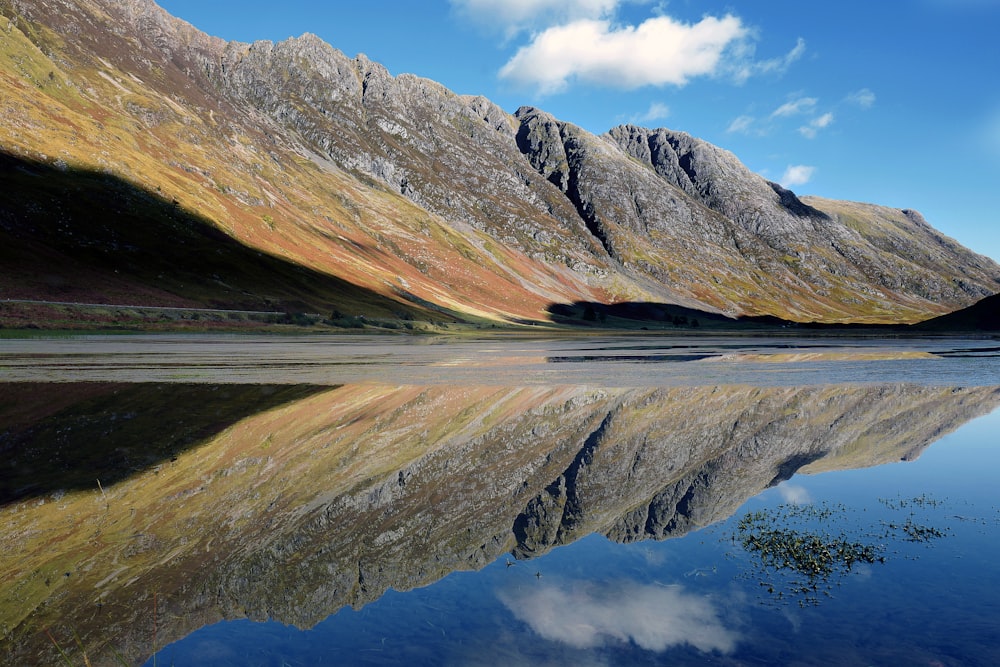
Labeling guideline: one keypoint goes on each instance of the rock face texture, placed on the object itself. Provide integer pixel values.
(327, 497)
(417, 199)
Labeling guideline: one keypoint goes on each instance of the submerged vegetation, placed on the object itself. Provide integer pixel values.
(802, 561)
(801, 552)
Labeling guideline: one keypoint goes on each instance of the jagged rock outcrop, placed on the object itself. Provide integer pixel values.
(817, 238)
(717, 178)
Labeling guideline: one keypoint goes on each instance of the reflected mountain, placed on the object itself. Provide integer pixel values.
(309, 503)
(79, 435)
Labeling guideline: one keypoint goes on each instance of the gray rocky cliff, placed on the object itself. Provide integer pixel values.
(642, 222)
(866, 255)
(717, 178)
(453, 155)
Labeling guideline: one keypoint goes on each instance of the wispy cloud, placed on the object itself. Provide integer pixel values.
(743, 66)
(660, 51)
(989, 134)
(795, 107)
(799, 106)
(797, 174)
(657, 111)
(588, 615)
(815, 125)
(863, 98)
(803, 106)
(514, 16)
(741, 125)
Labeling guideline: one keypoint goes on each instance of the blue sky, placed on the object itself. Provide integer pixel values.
(895, 102)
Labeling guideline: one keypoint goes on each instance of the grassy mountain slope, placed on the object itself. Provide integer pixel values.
(141, 248)
(241, 177)
(374, 194)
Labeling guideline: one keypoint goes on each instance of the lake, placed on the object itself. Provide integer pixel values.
(270, 500)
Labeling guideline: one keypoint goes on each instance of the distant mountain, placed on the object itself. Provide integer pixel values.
(983, 315)
(146, 162)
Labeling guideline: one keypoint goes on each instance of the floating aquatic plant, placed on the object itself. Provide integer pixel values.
(801, 561)
(800, 552)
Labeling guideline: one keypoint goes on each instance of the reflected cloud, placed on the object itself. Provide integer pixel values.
(794, 494)
(588, 615)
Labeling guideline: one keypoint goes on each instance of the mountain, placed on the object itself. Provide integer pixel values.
(288, 503)
(152, 164)
(981, 316)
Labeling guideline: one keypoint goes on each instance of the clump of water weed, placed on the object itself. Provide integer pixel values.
(912, 529)
(801, 552)
(799, 561)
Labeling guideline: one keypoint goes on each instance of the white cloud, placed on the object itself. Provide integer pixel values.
(584, 40)
(795, 107)
(586, 615)
(863, 98)
(657, 52)
(802, 106)
(797, 174)
(782, 64)
(815, 125)
(822, 121)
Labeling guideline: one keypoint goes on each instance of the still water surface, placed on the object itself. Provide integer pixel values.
(270, 501)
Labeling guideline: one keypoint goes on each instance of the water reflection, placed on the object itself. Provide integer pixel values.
(288, 503)
(73, 436)
(655, 617)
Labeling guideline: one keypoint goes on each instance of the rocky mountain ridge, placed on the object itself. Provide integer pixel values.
(420, 198)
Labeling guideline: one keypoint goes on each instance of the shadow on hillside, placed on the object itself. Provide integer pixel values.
(653, 316)
(650, 315)
(982, 316)
(63, 437)
(79, 235)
